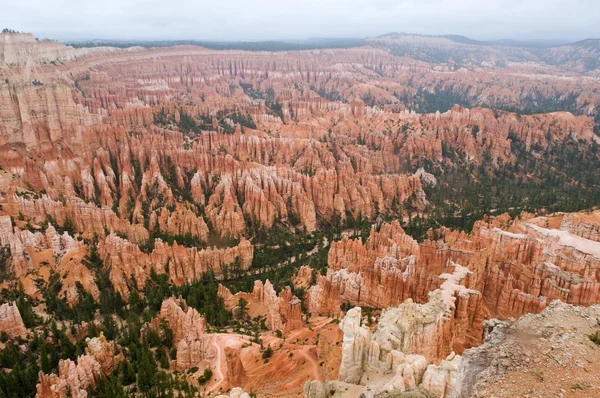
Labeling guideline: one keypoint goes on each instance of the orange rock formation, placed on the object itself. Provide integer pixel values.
(282, 312)
(74, 378)
(10, 320)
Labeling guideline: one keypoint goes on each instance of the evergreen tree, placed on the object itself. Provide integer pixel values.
(146, 373)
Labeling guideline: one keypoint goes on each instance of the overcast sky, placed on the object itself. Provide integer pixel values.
(296, 19)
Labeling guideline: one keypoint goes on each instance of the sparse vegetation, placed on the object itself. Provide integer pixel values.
(267, 353)
(206, 376)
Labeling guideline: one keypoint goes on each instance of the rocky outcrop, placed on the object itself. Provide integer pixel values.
(427, 329)
(182, 223)
(380, 273)
(235, 368)
(334, 388)
(315, 389)
(39, 114)
(354, 346)
(553, 346)
(185, 324)
(75, 378)
(391, 267)
(324, 297)
(198, 349)
(516, 357)
(35, 254)
(442, 380)
(18, 48)
(129, 263)
(303, 278)
(83, 217)
(189, 329)
(426, 178)
(10, 320)
(283, 312)
(265, 294)
(434, 328)
(224, 211)
(104, 352)
(235, 393)
(395, 355)
(290, 308)
(586, 225)
(516, 263)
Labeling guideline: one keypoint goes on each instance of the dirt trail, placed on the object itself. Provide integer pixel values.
(218, 363)
(314, 364)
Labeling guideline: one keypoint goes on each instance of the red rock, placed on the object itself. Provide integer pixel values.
(75, 378)
(282, 312)
(10, 320)
(128, 262)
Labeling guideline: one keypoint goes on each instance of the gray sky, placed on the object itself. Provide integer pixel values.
(295, 19)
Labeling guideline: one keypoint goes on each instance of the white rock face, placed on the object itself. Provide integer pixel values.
(315, 389)
(442, 380)
(364, 356)
(235, 393)
(414, 328)
(426, 178)
(354, 346)
(395, 356)
(408, 371)
(333, 389)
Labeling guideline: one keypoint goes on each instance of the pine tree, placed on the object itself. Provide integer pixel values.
(146, 375)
